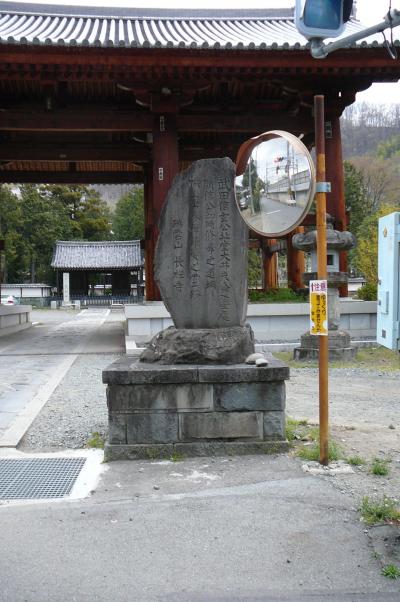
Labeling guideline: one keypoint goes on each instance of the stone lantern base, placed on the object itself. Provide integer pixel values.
(340, 348)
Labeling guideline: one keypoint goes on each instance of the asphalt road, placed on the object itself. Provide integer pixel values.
(241, 529)
(274, 216)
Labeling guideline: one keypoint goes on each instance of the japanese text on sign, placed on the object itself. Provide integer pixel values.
(319, 307)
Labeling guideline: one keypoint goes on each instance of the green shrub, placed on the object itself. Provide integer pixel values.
(177, 457)
(310, 453)
(380, 511)
(96, 441)
(379, 467)
(277, 295)
(391, 571)
(368, 292)
(296, 429)
(355, 461)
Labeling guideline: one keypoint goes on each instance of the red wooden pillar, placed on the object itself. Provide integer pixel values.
(336, 204)
(270, 265)
(295, 262)
(149, 232)
(164, 169)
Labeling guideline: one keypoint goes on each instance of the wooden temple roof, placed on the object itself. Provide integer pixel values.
(81, 88)
(104, 255)
(151, 28)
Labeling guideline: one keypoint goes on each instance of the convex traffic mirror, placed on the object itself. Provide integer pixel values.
(275, 182)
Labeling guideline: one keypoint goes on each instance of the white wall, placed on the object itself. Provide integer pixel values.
(269, 321)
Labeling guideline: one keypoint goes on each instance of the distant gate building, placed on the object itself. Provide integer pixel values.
(120, 261)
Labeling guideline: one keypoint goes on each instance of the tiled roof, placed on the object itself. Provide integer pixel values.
(78, 255)
(44, 24)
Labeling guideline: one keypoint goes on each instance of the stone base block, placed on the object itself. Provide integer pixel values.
(194, 449)
(340, 348)
(335, 355)
(199, 407)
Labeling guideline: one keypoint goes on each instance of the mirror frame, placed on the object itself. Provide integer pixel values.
(243, 156)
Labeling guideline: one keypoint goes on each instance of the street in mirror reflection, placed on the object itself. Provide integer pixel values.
(274, 183)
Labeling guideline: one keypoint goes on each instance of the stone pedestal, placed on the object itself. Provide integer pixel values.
(159, 410)
(338, 343)
(340, 348)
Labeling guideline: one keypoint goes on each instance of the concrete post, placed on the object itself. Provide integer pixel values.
(66, 298)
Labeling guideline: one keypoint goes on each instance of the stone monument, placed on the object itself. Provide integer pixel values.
(191, 391)
(201, 270)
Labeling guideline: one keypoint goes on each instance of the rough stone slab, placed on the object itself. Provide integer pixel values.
(250, 396)
(152, 428)
(201, 254)
(199, 449)
(274, 425)
(200, 346)
(126, 371)
(220, 425)
(239, 373)
(186, 396)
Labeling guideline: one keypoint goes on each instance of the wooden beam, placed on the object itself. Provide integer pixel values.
(37, 151)
(244, 123)
(114, 121)
(136, 153)
(89, 120)
(274, 61)
(65, 177)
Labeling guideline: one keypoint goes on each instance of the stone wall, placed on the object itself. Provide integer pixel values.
(195, 410)
(14, 318)
(270, 322)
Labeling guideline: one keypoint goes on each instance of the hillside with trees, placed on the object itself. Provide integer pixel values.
(365, 125)
(371, 138)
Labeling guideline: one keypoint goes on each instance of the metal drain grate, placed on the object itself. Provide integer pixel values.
(37, 478)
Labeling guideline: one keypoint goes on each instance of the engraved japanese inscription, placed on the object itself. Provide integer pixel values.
(201, 255)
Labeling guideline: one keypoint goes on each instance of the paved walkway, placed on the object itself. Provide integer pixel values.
(34, 361)
(250, 529)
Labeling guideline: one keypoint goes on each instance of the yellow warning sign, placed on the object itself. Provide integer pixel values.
(319, 307)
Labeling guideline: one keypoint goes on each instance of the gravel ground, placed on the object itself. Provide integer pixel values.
(357, 397)
(364, 419)
(76, 409)
(364, 407)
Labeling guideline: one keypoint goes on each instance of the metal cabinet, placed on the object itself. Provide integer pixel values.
(388, 311)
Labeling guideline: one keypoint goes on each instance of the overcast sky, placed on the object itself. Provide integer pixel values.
(368, 11)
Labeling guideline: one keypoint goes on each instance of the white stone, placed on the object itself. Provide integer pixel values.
(253, 357)
(333, 469)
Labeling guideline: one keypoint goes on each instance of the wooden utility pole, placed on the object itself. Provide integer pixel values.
(319, 113)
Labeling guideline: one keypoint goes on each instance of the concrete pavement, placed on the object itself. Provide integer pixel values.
(242, 529)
